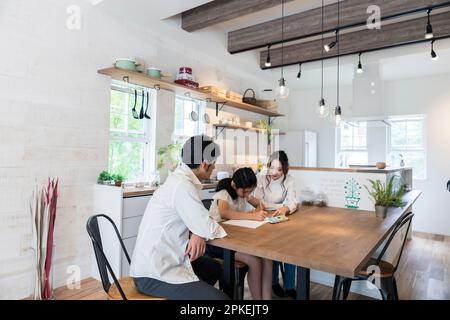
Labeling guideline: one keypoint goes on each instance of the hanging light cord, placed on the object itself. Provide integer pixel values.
(282, 39)
(339, 52)
(322, 50)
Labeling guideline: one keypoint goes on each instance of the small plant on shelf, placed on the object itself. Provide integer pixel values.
(384, 196)
(104, 178)
(263, 124)
(118, 179)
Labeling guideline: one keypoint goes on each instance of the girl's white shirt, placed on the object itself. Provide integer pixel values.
(276, 193)
(240, 204)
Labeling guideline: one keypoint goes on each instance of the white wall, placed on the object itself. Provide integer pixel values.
(54, 119)
(303, 116)
(427, 95)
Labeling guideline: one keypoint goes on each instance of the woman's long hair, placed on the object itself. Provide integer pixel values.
(283, 158)
(243, 178)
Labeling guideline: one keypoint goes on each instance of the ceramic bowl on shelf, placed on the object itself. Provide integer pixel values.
(154, 72)
(381, 165)
(126, 63)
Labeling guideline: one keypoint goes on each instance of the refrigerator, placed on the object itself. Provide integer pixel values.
(301, 148)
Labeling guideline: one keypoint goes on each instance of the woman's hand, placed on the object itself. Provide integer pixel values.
(282, 211)
(258, 215)
(196, 247)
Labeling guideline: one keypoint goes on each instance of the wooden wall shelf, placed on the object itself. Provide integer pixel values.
(141, 79)
(238, 127)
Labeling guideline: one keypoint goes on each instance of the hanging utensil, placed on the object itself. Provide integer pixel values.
(146, 109)
(194, 114)
(141, 114)
(206, 118)
(133, 111)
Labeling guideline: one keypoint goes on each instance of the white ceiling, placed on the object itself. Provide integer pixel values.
(399, 63)
(157, 10)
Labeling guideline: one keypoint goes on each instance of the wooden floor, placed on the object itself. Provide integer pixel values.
(424, 274)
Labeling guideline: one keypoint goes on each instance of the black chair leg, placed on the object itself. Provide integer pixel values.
(240, 283)
(395, 289)
(387, 289)
(337, 288)
(347, 284)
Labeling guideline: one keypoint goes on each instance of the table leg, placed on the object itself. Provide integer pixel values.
(228, 273)
(303, 279)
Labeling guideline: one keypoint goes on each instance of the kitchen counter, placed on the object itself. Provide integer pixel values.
(355, 169)
(130, 192)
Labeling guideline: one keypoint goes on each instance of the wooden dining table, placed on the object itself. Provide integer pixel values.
(335, 240)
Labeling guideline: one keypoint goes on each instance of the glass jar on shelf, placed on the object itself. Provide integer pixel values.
(321, 200)
(307, 197)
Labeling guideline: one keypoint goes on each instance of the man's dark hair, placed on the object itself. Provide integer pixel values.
(198, 149)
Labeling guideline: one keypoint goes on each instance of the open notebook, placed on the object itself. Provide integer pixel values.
(246, 223)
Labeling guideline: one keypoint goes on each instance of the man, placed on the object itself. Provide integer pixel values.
(168, 258)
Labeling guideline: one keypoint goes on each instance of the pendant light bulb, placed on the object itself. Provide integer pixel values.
(322, 110)
(429, 32)
(282, 92)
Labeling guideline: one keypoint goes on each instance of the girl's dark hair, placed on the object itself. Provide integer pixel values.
(283, 158)
(243, 178)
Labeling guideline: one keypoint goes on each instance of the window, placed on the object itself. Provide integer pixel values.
(352, 144)
(185, 127)
(129, 144)
(406, 140)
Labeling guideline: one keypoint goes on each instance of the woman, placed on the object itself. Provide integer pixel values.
(230, 203)
(276, 188)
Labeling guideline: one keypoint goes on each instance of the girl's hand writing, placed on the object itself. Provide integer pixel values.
(259, 215)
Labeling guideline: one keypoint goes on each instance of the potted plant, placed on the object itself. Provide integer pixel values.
(104, 178)
(169, 156)
(118, 179)
(263, 124)
(385, 196)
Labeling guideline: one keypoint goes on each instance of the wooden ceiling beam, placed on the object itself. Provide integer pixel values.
(219, 11)
(309, 23)
(389, 36)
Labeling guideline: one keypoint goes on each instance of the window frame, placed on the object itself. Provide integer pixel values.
(148, 163)
(201, 125)
(352, 149)
(423, 149)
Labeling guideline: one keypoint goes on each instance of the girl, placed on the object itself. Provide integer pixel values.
(277, 190)
(230, 203)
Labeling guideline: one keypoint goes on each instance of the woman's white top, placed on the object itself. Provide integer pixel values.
(276, 194)
(240, 204)
(175, 209)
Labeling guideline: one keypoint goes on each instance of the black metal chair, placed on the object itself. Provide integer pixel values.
(385, 270)
(120, 289)
(240, 268)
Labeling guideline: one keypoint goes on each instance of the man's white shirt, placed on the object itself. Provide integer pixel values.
(174, 210)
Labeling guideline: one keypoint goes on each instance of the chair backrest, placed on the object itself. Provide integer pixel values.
(402, 226)
(104, 267)
(207, 203)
